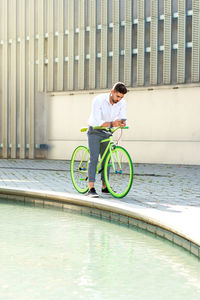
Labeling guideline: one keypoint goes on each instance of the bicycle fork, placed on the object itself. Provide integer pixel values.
(117, 159)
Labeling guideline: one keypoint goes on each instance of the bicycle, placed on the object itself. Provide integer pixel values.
(118, 167)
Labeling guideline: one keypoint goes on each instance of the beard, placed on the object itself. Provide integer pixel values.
(114, 101)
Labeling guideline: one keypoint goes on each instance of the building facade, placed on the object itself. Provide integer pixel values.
(68, 46)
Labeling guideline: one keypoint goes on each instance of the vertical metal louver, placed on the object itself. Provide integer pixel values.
(115, 39)
(81, 50)
(5, 78)
(70, 74)
(31, 83)
(128, 43)
(167, 42)
(195, 40)
(60, 46)
(181, 41)
(22, 79)
(50, 77)
(140, 43)
(154, 43)
(40, 82)
(104, 44)
(13, 66)
(92, 47)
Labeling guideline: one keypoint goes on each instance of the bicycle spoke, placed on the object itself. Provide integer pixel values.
(119, 172)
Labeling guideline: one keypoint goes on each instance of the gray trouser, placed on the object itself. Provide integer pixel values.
(96, 148)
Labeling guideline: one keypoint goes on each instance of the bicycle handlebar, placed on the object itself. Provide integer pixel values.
(113, 129)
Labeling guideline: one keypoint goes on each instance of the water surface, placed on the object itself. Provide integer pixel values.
(51, 254)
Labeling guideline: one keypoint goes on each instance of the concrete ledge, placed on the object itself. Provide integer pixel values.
(110, 209)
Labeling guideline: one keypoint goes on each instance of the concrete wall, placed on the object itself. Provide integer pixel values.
(164, 124)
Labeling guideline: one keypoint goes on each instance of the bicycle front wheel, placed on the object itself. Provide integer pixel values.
(79, 169)
(118, 172)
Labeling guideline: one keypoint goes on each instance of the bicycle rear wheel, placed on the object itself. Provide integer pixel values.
(118, 172)
(79, 169)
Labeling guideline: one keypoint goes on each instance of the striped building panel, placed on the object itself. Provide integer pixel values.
(31, 83)
(115, 42)
(13, 77)
(81, 62)
(181, 41)
(92, 46)
(128, 43)
(40, 45)
(104, 44)
(70, 78)
(60, 73)
(195, 41)
(22, 80)
(167, 42)
(50, 17)
(154, 43)
(5, 78)
(140, 43)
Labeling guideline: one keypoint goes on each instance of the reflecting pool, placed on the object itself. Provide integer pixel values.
(52, 254)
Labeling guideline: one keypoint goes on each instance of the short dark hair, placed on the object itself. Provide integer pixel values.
(120, 87)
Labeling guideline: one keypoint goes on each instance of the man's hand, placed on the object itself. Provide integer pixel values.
(123, 123)
(118, 123)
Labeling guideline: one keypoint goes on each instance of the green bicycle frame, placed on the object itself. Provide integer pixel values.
(108, 149)
(109, 146)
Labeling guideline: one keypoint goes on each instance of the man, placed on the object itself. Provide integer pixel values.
(108, 110)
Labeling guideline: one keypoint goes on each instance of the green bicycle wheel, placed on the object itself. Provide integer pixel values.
(118, 172)
(79, 169)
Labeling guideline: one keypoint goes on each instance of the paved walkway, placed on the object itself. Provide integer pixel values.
(169, 193)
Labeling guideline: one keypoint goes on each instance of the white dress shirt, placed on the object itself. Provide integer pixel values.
(103, 111)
